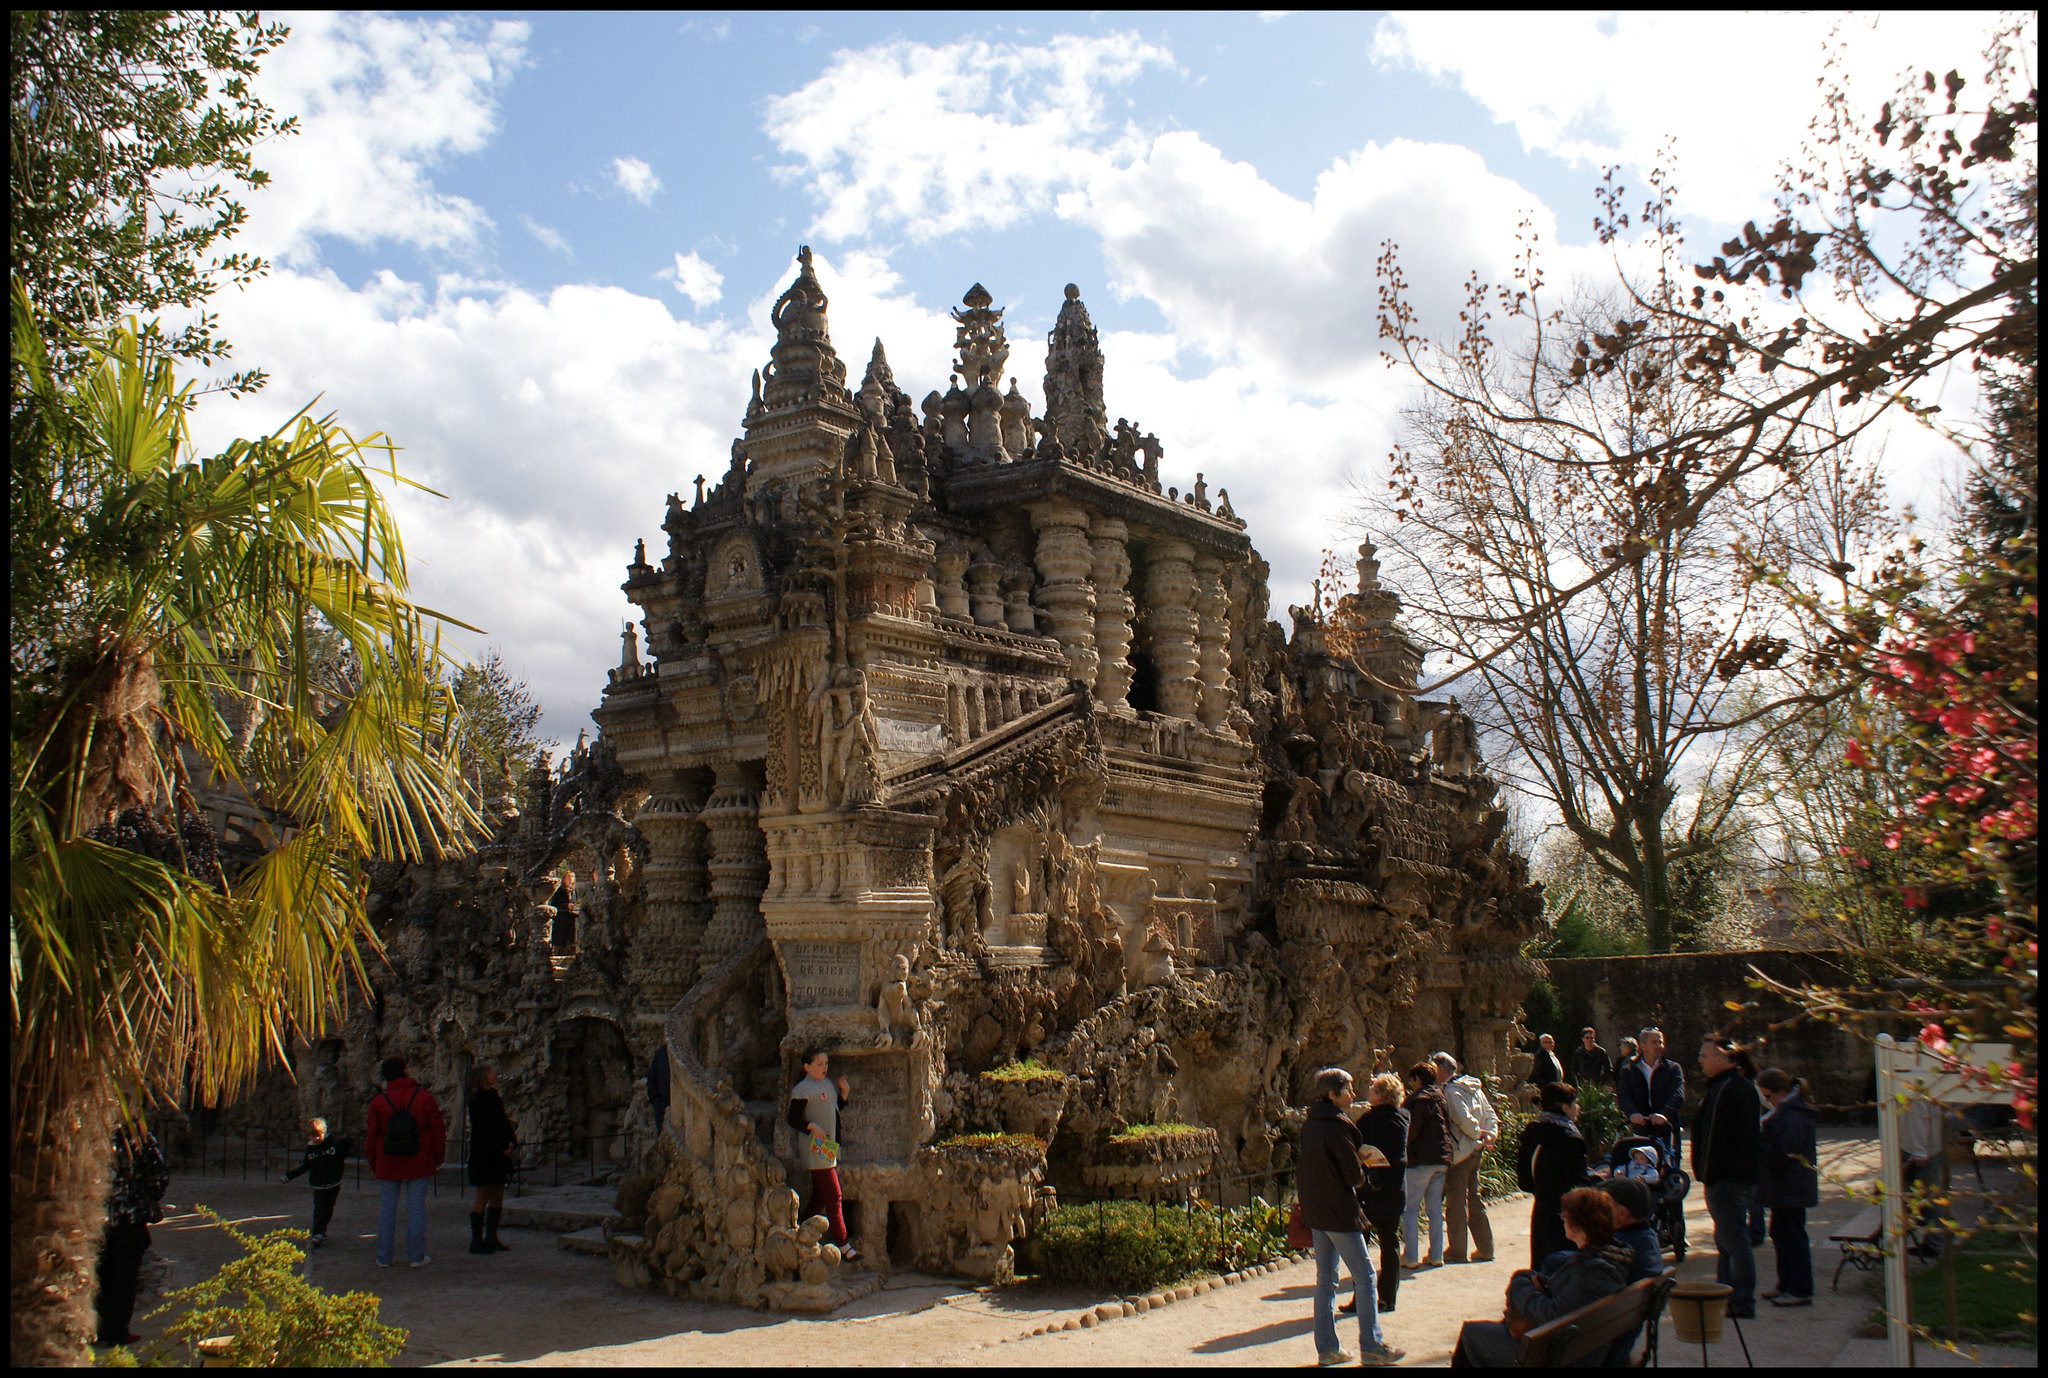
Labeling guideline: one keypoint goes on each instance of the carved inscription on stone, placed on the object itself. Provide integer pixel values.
(877, 1126)
(910, 739)
(822, 973)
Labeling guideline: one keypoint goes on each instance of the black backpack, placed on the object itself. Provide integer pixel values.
(401, 1131)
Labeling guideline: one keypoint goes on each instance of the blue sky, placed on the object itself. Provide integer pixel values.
(537, 250)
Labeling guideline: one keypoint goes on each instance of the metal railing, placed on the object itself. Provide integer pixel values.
(269, 1152)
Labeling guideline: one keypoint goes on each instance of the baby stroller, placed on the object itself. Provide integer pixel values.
(1667, 1194)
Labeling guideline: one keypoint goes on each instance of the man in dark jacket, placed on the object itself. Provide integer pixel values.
(1547, 1069)
(1633, 1227)
(1590, 1064)
(1789, 1184)
(406, 1142)
(1429, 1162)
(1726, 1144)
(1327, 1178)
(1650, 1091)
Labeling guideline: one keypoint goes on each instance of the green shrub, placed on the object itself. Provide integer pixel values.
(1030, 1141)
(1133, 1133)
(1128, 1247)
(1497, 1164)
(1030, 1069)
(1600, 1121)
(275, 1317)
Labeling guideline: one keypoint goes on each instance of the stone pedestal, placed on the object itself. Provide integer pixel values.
(1018, 614)
(1171, 623)
(1110, 572)
(1065, 562)
(984, 591)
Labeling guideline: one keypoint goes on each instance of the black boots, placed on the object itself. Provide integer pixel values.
(476, 1234)
(492, 1215)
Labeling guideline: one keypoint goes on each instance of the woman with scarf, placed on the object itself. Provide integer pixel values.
(1552, 1162)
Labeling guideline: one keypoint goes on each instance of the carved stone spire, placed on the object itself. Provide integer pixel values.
(879, 373)
(803, 362)
(1073, 379)
(984, 349)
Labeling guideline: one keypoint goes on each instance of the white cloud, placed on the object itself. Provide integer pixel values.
(1736, 92)
(936, 140)
(636, 179)
(548, 236)
(709, 30)
(380, 101)
(695, 279)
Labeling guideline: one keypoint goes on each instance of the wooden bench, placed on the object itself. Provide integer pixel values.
(1583, 1338)
(1862, 1243)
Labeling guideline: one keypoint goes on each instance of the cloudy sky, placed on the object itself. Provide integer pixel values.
(538, 251)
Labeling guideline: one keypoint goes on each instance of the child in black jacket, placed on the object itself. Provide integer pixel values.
(324, 1162)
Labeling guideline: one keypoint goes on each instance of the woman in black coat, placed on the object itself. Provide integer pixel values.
(1790, 1183)
(1552, 1162)
(1384, 1197)
(491, 1146)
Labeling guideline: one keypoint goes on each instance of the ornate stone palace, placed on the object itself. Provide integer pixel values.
(961, 747)
(966, 742)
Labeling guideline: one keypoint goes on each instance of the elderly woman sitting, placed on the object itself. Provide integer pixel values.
(1596, 1268)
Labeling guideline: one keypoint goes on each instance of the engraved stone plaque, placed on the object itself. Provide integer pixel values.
(822, 974)
(879, 1121)
(909, 739)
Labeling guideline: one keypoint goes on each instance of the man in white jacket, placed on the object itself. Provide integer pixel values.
(1474, 1127)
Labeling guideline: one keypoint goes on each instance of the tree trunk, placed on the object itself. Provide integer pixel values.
(58, 1209)
(1656, 896)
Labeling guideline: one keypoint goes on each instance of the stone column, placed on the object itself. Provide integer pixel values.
(1170, 620)
(985, 594)
(1064, 565)
(739, 862)
(665, 956)
(1212, 604)
(1018, 613)
(1112, 569)
(952, 592)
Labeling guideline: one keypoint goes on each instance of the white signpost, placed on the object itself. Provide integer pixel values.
(1907, 1072)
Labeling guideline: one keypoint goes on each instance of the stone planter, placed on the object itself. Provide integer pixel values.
(1032, 1105)
(1152, 1163)
(1698, 1310)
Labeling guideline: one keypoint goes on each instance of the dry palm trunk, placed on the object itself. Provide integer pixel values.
(62, 1106)
(57, 1199)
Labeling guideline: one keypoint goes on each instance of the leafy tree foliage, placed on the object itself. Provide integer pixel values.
(127, 131)
(498, 717)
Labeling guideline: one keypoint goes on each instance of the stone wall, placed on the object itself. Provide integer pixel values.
(1686, 994)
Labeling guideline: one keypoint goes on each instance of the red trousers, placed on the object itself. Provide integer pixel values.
(825, 1201)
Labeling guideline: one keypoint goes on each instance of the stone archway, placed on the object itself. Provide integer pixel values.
(589, 1087)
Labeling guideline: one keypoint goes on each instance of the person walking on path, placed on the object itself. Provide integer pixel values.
(1429, 1162)
(1384, 1195)
(1474, 1129)
(1790, 1183)
(1552, 1163)
(1596, 1268)
(815, 1105)
(1547, 1068)
(1327, 1177)
(406, 1141)
(492, 1144)
(325, 1160)
(1590, 1063)
(1727, 1140)
(135, 1201)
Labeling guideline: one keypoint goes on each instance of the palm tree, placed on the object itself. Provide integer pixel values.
(187, 594)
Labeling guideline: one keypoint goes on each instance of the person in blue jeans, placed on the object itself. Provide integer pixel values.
(1727, 1146)
(407, 1141)
(1328, 1175)
(1790, 1183)
(1429, 1162)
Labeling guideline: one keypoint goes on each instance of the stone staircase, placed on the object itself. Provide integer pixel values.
(575, 1215)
